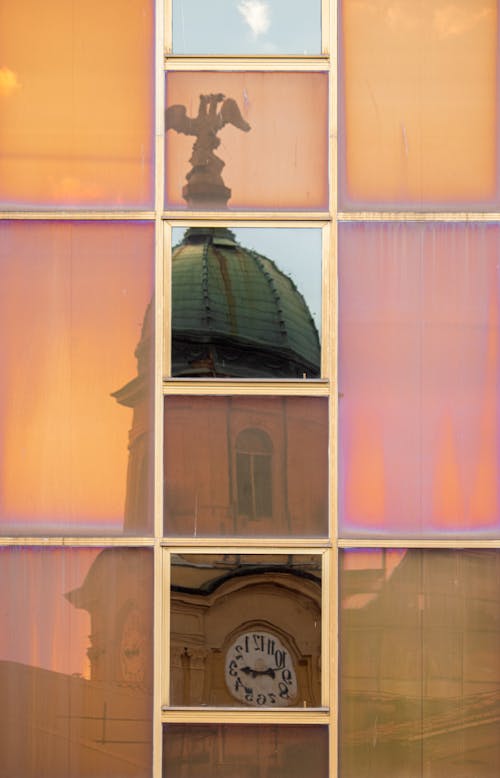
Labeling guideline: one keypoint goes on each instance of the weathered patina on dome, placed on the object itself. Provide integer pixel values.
(235, 314)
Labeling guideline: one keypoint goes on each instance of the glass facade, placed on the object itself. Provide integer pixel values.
(249, 420)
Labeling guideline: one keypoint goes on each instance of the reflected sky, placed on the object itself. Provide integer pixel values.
(296, 251)
(246, 27)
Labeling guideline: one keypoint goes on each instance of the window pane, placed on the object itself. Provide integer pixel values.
(419, 101)
(245, 630)
(420, 670)
(248, 751)
(275, 152)
(269, 27)
(74, 381)
(210, 491)
(246, 303)
(76, 99)
(418, 377)
(76, 662)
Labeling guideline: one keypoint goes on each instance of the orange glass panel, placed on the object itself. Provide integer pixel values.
(245, 750)
(419, 664)
(76, 662)
(419, 379)
(273, 136)
(76, 100)
(419, 102)
(72, 300)
(216, 486)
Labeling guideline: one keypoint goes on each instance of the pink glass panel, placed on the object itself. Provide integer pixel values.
(76, 662)
(244, 750)
(76, 100)
(419, 663)
(281, 162)
(419, 95)
(219, 481)
(419, 379)
(72, 300)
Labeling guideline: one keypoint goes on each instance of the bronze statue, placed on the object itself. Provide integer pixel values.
(205, 187)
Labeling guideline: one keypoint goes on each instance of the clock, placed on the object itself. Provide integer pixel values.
(133, 648)
(259, 670)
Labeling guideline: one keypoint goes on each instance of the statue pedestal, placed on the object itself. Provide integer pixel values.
(203, 193)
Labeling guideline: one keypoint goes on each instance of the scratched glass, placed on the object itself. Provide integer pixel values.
(272, 27)
(76, 665)
(246, 303)
(270, 131)
(419, 356)
(76, 342)
(419, 96)
(419, 667)
(245, 630)
(246, 466)
(245, 750)
(76, 101)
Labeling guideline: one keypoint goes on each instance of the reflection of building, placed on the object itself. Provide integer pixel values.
(248, 751)
(246, 630)
(137, 394)
(103, 725)
(421, 668)
(235, 314)
(243, 466)
(60, 725)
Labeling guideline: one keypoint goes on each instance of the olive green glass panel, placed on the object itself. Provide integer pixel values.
(245, 751)
(245, 630)
(246, 466)
(246, 302)
(76, 670)
(419, 663)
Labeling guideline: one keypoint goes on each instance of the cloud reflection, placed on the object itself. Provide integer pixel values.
(256, 14)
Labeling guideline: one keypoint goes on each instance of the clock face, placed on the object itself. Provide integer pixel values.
(259, 670)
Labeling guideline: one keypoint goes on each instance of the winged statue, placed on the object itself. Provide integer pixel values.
(205, 187)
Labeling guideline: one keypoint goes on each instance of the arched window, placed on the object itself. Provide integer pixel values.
(254, 451)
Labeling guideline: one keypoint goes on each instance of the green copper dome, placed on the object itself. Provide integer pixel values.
(235, 314)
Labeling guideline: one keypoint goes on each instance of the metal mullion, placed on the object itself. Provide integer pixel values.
(250, 220)
(308, 387)
(223, 715)
(161, 14)
(78, 542)
(243, 63)
(251, 545)
(385, 542)
(418, 216)
(266, 218)
(61, 215)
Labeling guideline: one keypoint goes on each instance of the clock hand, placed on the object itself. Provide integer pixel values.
(250, 671)
(254, 673)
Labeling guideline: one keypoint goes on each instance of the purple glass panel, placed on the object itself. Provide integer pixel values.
(419, 379)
